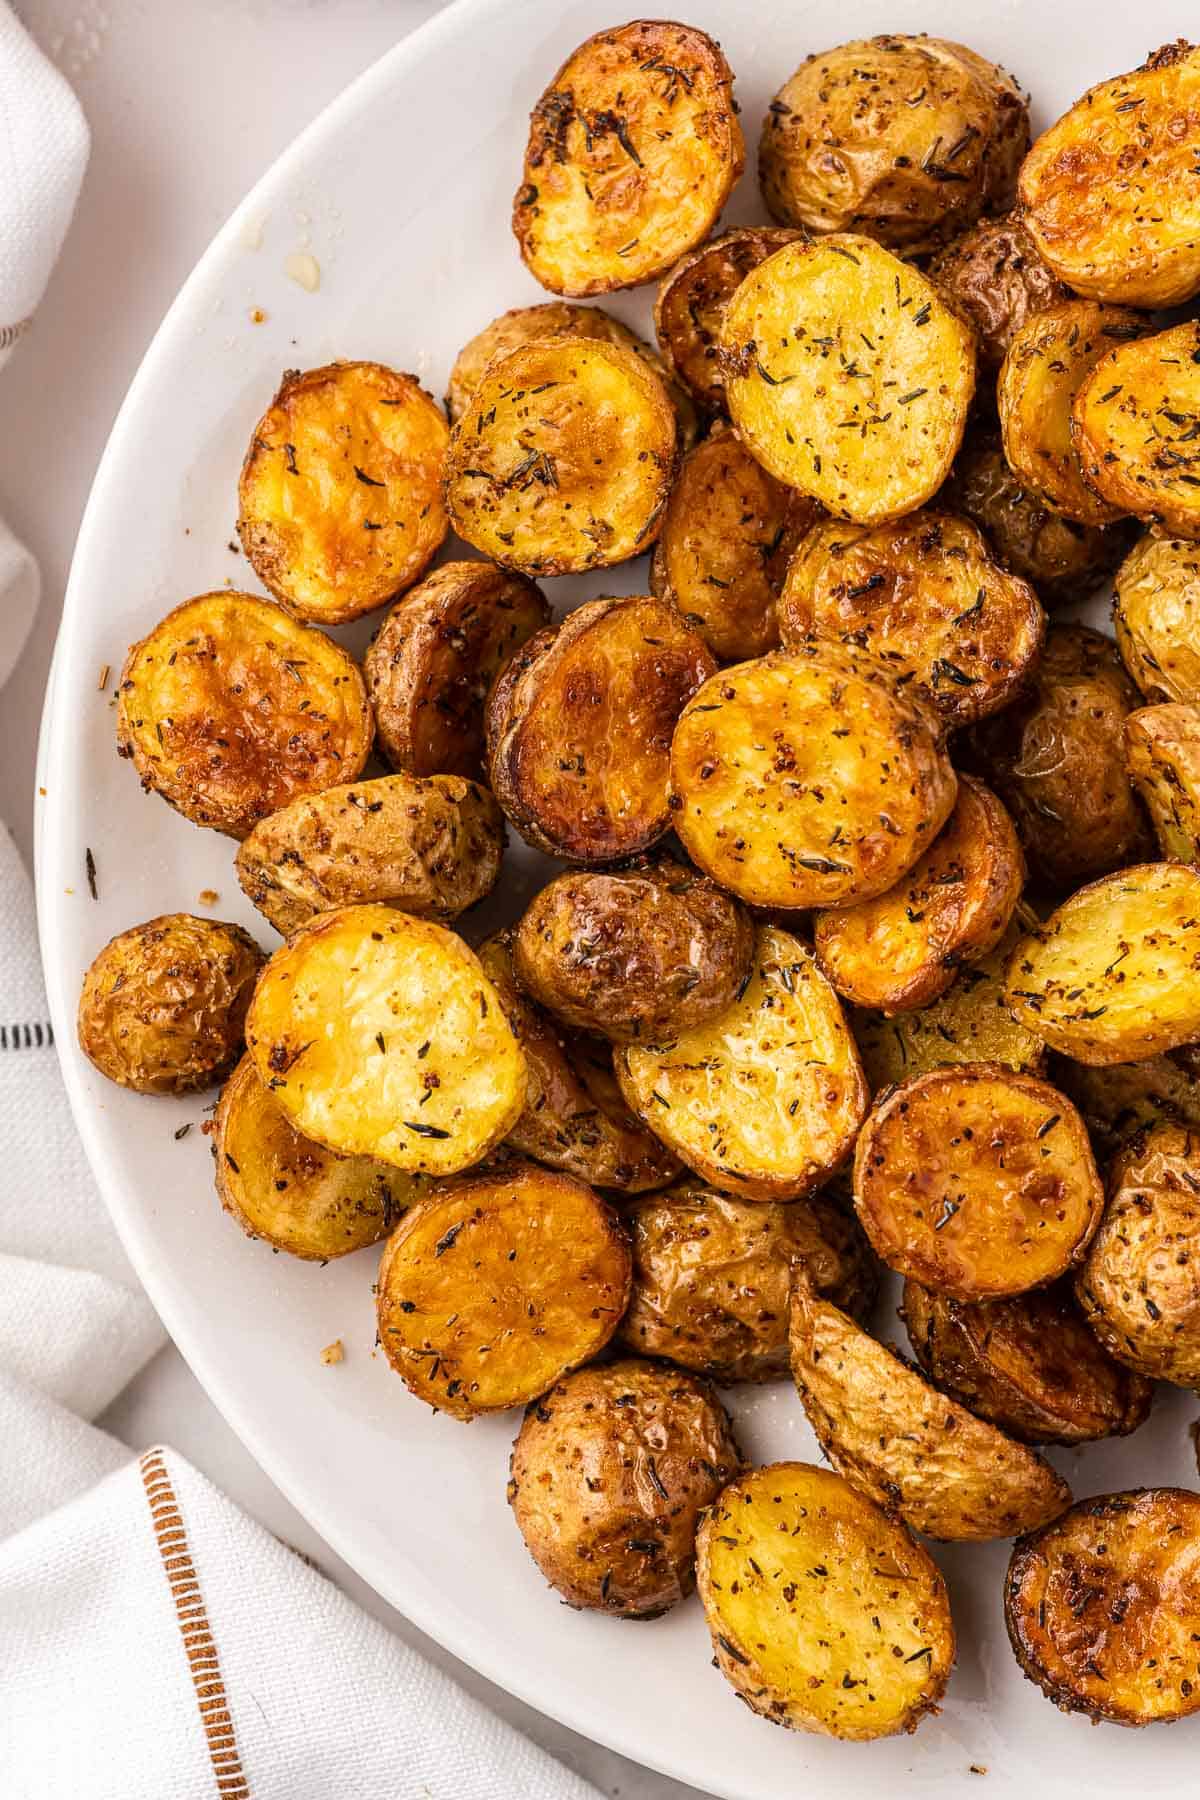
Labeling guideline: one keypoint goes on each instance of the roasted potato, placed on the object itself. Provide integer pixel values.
(906, 1446)
(163, 1005)
(1114, 976)
(492, 1287)
(230, 708)
(826, 1614)
(637, 955)
(907, 139)
(1156, 616)
(1109, 193)
(437, 653)
(1029, 1365)
(633, 151)
(690, 305)
(1101, 1607)
(579, 727)
(711, 1277)
(1119, 1100)
(994, 276)
(1162, 754)
(340, 494)
(904, 948)
(575, 1118)
(764, 1102)
(925, 597)
(847, 376)
(1134, 424)
(380, 1035)
(807, 778)
(609, 1477)
(727, 537)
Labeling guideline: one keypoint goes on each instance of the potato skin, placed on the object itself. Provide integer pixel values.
(163, 1005)
(637, 954)
(1122, 1099)
(1156, 617)
(1133, 424)
(609, 1476)
(690, 304)
(1162, 754)
(994, 276)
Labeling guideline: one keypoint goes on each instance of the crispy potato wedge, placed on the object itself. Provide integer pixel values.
(1121, 1099)
(904, 948)
(906, 1446)
(1029, 1365)
(1162, 754)
(609, 1476)
(230, 708)
(994, 276)
(1156, 617)
(163, 1005)
(493, 1287)
(925, 597)
(579, 727)
(1134, 425)
(1109, 192)
(340, 494)
(1113, 975)
(764, 1102)
(1124, 1560)
(380, 1035)
(847, 376)
(826, 1615)
(689, 307)
(633, 151)
(436, 655)
(807, 779)
(638, 954)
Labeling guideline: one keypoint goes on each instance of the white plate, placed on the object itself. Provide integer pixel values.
(404, 188)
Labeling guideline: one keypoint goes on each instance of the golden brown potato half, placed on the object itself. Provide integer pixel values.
(711, 1277)
(230, 708)
(610, 1474)
(1109, 193)
(1135, 425)
(579, 727)
(1121, 1099)
(492, 1287)
(925, 597)
(633, 151)
(690, 305)
(380, 1035)
(904, 948)
(847, 376)
(1162, 754)
(1156, 616)
(163, 1005)
(1112, 976)
(994, 276)
(637, 955)
(292, 1193)
(437, 653)
(1029, 1365)
(575, 1118)
(907, 139)
(727, 537)
(1046, 366)
(766, 1101)
(906, 1446)
(565, 458)
(807, 779)
(826, 1615)
(1101, 1607)
(431, 847)
(340, 495)
(1057, 760)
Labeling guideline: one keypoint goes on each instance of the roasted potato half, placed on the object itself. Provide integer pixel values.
(163, 1005)
(436, 655)
(1162, 754)
(1156, 616)
(610, 1474)
(807, 778)
(230, 708)
(1135, 423)
(995, 277)
(906, 1446)
(1101, 1606)
(766, 1100)
(689, 308)
(579, 727)
(380, 1035)
(1120, 1099)
(826, 1614)
(847, 376)
(340, 494)
(633, 151)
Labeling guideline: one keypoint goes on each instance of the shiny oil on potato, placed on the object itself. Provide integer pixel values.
(1135, 424)
(995, 277)
(1156, 617)
(690, 305)
(1162, 754)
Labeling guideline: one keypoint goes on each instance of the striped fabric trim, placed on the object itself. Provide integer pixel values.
(10, 333)
(198, 1642)
(36, 1036)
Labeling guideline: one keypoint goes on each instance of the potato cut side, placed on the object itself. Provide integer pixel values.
(689, 308)
(493, 1287)
(1162, 753)
(1156, 617)
(848, 377)
(1135, 423)
(380, 1035)
(995, 277)
(826, 1615)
